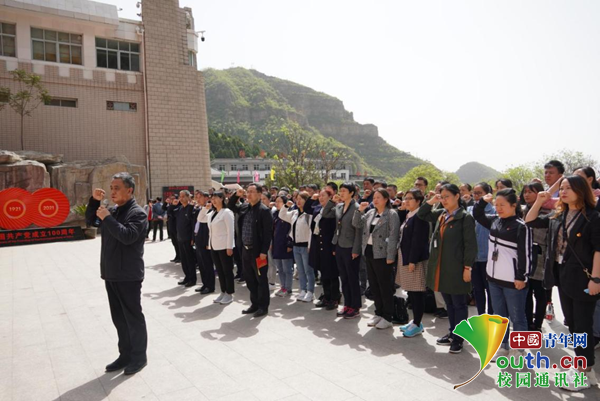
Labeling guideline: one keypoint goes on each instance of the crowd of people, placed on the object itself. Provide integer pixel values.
(498, 249)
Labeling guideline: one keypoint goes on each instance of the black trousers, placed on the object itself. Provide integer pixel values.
(381, 281)
(481, 289)
(260, 296)
(331, 289)
(579, 316)
(188, 261)
(418, 305)
(349, 271)
(237, 256)
(173, 234)
(535, 316)
(124, 298)
(224, 265)
(157, 224)
(207, 270)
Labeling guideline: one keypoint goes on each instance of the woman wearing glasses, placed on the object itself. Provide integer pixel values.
(453, 251)
(412, 257)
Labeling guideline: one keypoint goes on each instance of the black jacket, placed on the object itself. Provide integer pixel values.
(584, 239)
(262, 229)
(172, 218)
(185, 223)
(123, 237)
(414, 245)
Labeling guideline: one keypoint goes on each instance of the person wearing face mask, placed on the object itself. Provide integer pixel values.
(573, 263)
(281, 248)
(452, 254)
(481, 289)
(380, 227)
(509, 260)
(321, 251)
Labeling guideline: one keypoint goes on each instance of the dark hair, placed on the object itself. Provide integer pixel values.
(283, 198)
(485, 186)
(370, 179)
(394, 186)
(589, 173)
(186, 193)
(255, 185)
(504, 181)
(382, 183)
(333, 186)
(469, 187)
(511, 197)
(266, 194)
(158, 199)
(349, 186)
(386, 196)
(555, 163)
(314, 187)
(265, 188)
(127, 179)
(533, 186)
(417, 194)
(585, 196)
(424, 180)
(453, 189)
(275, 187)
(219, 194)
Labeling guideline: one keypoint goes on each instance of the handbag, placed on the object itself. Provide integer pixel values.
(400, 315)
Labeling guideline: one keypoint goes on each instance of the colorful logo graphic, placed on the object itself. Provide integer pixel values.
(485, 333)
(46, 207)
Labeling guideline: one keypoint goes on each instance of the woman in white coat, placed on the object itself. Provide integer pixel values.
(221, 241)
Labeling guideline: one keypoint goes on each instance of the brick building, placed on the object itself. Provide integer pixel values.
(118, 86)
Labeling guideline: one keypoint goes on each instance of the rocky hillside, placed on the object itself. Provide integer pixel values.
(246, 103)
(474, 172)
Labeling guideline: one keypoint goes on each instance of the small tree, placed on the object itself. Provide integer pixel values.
(4, 96)
(30, 95)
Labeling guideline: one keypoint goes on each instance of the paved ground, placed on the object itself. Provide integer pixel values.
(56, 336)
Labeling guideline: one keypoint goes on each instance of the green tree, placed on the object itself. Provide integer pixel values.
(429, 171)
(4, 96)
(30, 95)
(521, 175)
(571, 159)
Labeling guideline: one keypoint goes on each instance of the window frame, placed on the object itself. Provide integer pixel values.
(119, 53)
(60, 101)
(57, 45)
(2, 35)
(110, 106)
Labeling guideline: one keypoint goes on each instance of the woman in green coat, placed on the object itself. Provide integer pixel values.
(453, 250)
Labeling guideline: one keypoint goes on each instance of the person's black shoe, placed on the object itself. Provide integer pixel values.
(190, 284)
(250, 310)
(134, 367)
(182, 282)
(206, 291)
(456, 347)
(173, 260)
(260, 313)
(241, 280)
(321, 304)
(331, 306)
(200, 289)
(116, 365)
(445, 340)
(177, 261)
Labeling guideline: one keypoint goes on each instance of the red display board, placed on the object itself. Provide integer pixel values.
(46, 207)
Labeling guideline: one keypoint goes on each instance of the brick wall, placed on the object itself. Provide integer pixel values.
(178, 129)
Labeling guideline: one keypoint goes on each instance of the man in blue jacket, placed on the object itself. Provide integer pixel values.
(124, 230)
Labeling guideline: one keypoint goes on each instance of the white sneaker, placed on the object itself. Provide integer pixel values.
(572, 373)
(218, 299)
(383, 324)
(373, 321)
(308, 297)
(300, 297)
(501, 352)
(272, 287)
(227, 299)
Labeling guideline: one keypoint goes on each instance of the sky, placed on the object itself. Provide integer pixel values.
(498, 82)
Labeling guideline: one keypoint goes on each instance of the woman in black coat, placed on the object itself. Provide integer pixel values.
(321, 250)
(573, 263)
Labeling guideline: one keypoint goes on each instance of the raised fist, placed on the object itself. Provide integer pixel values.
(363, 206)
(98, 194)
(488, 198)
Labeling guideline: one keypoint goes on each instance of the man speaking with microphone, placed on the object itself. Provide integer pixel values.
(124, 230)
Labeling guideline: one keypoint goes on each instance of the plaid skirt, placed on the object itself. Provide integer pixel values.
(414, 281)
